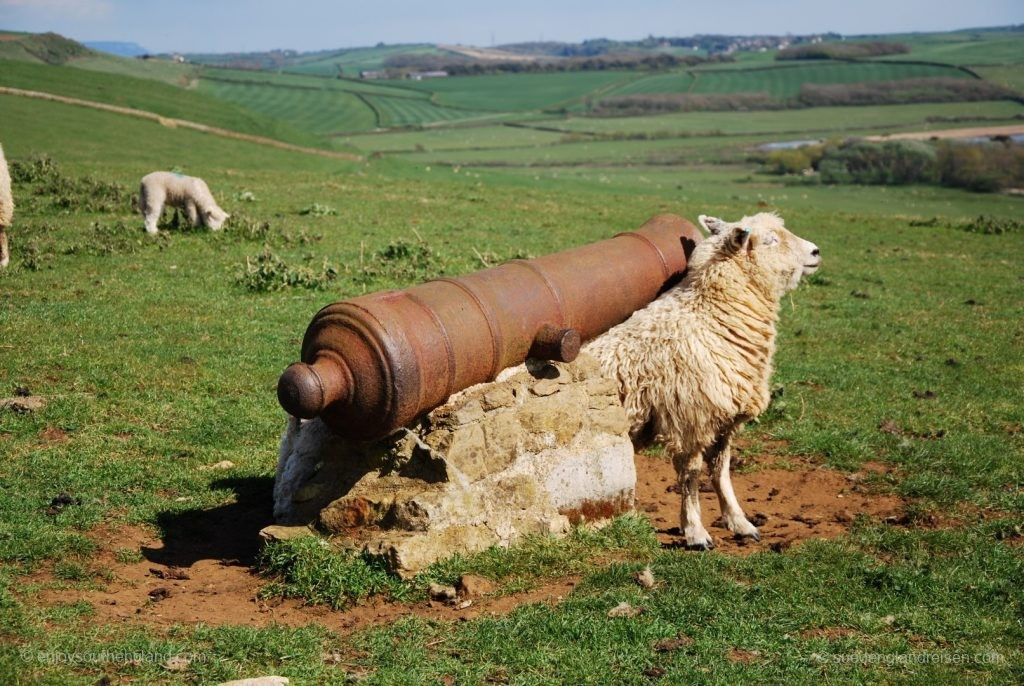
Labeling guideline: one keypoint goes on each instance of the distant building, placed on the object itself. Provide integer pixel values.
(420, 75)
(373, 74)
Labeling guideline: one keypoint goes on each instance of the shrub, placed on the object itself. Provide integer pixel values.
(834, 51)
(992, 226)
(268, 272)
(621, 105)
(793, 160)
(400, 262)
(935, 89)
(984, 167)
(84, 193)
(890, 162)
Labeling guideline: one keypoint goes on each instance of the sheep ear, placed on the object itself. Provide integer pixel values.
(714, 225)
(739, 238)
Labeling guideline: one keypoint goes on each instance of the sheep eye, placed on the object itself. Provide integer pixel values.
(770, 239)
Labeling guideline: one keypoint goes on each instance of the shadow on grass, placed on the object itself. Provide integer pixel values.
(229, 533)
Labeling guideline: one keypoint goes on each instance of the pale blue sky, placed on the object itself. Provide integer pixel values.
(241, 25)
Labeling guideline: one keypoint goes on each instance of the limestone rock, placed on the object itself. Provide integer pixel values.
(542, 448)
(473, 586)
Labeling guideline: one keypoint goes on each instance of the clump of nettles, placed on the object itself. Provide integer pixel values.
(402, 261)
(993, 225)
(65, 192)
(267, 272)
(318, 210)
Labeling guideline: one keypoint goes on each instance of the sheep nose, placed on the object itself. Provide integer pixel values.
(815, 252)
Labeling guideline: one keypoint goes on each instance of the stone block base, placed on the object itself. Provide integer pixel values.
(542, 448)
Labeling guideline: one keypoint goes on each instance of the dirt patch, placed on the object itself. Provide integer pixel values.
(787, 505)
(974, 132)
(743, 656)
(223, 591)
(200, 569)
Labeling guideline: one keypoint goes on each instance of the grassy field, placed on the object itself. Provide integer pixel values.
(898, 367)
(317, 110)
(145, 94)
(969, 49)
(355, 60)
(511, 92)
(781, 81)
(182, 75)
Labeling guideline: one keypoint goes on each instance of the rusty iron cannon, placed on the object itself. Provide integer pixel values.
(375, 363)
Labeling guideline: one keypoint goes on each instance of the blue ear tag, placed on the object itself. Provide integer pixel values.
(746, 232)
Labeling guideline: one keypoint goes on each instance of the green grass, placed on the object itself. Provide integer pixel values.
(155, 361)
(809, 120)
(354, 60)
(318, 111)
(966, 49)
(670, 82)
(285, 79)
(182, 75)
(515, 92)
(1009, 76)
(143, 94)
(785, 81)
(454, 138)
(397, 112)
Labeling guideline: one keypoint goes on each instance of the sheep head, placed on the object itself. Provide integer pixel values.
(770, 257)
(215, 218)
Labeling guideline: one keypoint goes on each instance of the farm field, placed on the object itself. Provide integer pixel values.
(987, 48)
(512, 92)
(896, 394)
(783, 80)
(356, 60)
(144, 94)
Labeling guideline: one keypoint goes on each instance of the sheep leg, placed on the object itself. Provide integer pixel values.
(689, 471)
(719, 458)
(152, 208)
(5, 253)
(192, 213)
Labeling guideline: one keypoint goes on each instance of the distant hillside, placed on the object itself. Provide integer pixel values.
(48, 48)
(117, 48)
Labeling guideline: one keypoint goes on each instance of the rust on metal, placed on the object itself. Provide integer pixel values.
(375, 363)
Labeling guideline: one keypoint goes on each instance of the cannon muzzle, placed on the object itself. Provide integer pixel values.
(375, 363)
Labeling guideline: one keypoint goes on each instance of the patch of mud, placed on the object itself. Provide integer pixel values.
(224, 590)
(200, 569)
(787, 505)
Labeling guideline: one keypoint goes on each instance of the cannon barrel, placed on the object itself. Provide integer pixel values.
(375, 363)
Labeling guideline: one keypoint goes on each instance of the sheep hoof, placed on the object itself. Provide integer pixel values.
(755, 537)
(702, 547)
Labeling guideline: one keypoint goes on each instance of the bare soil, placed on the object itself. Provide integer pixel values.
(974, 132)
(201, 570)
(787, 505)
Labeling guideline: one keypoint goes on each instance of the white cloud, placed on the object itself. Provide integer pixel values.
(78, 8)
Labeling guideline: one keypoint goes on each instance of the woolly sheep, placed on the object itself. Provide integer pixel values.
(6, 209)
(187, 193)
(694, 365)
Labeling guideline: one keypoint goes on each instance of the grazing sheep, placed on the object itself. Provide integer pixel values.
(6, 209)
(187, 193)
(694, 365)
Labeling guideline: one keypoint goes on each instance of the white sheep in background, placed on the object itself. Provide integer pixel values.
(187, 193)
(6, 209)
(695, 363)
